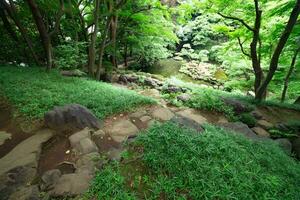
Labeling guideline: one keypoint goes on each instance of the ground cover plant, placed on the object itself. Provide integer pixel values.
(33, 92)
(170, 162)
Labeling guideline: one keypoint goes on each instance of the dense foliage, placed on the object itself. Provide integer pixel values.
(243, 38)
(178, 163)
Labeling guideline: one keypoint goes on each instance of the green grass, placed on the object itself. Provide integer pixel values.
(34, 92)
(170, 162)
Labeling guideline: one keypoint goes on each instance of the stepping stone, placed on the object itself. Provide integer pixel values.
(49, 179)
(77, 137)
(241, 128)
(138, 114)
(145, 118)
(86, 146)
(261, 132)
(264, 124)
(25, 153)
(26, 193)
(4, 136)
(163, 114)
(151, 93)
(88, 163)
(192, 115)
(70, 185)
(122, 129)
(186, 122)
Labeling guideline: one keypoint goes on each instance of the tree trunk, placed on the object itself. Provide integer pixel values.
(125, 55)
(92, 50)
(253, 47)
(102, 48)
(11, 10)
(113, 29)
(287, 78)
(281, 44)
(7, 25)
(46, 41)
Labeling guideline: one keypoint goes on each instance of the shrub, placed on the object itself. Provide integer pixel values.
(170, 162)
(71, 55)
(248, 119)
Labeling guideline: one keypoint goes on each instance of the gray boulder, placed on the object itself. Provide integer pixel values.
(186, 122)
(49, 179)
(238, 106)
(184, 97)
(73, 116)
(240, 128)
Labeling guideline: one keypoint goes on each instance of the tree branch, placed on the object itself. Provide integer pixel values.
(237, 19)
(242, 48)
(59, 15)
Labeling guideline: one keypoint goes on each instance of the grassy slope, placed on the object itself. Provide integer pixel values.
(176, 163)
(35, 92)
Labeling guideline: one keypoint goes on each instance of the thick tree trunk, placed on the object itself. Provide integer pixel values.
(281, 44)
(287, 78)
(92, 49)
(7, 25)
(46, 40)
(11, 10)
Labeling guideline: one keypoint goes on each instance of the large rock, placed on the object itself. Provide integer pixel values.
(193, 115)
(87, 146)
(4, 136)
(184, 97)
(186, 122)
(70, 185)
(73, 116)
(88, 163)
(25, 153)
(77, 137)
(15, 179)
(265, 124)
(49, 179)
(163, 114)
(240, 128)
(261, 132)
(26, 193)
(238, 106)
(122, 129)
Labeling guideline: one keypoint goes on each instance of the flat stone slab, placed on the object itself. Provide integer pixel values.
(86, 146)
(240, 128)
(76, 137)
(192, 115)
(122, 129)
(264, 124)
(163, 114)
(4, 136)
(261, 132)
(25, 153)
(70, 185)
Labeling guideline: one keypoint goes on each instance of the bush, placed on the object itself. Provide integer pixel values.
(170, 162)
(248, 119)
(71, 55)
